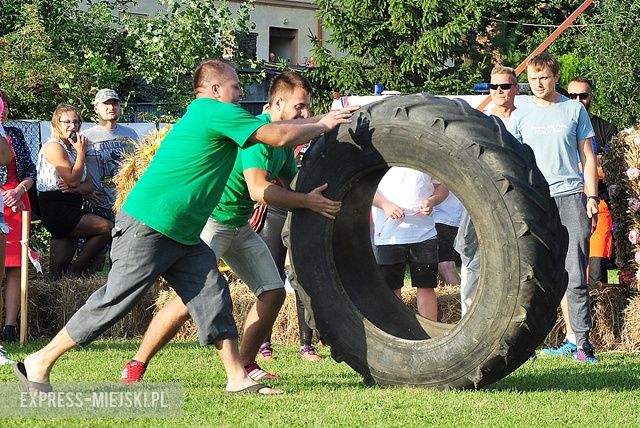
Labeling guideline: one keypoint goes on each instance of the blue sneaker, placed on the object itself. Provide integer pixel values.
(565, 350)
(585, 354)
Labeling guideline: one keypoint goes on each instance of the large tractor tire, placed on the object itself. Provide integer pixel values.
(523, 246)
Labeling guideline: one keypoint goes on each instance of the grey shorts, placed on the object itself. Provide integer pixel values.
(245, 253)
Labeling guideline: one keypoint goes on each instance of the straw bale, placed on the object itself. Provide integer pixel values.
(616, 317)
(135, 163)
(449, 311)
(52, 303)
(631, 328)
(607, 309)
(285, 328)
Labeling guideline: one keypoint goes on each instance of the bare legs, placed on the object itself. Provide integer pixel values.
(39, 364)
(12, 296)
(447, 273)
(564, 306)
(259, 322)
(164, 325)
(97, 232)
(427, 303)
(169, 319)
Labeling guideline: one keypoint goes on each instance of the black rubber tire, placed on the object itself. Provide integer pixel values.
(523, 245)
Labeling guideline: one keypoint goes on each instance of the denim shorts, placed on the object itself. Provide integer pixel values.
(4, 227)
(245, 253)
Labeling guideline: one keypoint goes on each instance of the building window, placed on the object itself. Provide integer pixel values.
(283, 44)
(249, 45)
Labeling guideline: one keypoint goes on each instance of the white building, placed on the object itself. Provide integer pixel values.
(282, 27)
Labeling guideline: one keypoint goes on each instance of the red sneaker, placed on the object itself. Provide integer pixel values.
(133, 372)
(256, 373)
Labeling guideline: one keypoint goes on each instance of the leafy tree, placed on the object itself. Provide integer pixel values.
(440, 47)
(53, 52)
(611, 42)
(165, 49)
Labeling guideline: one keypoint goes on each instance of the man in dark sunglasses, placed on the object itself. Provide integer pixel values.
(503, 88)
(601, 243)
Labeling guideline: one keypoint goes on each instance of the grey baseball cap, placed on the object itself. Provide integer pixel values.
(105, 95)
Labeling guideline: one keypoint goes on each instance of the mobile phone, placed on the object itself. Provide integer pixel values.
(73, 136)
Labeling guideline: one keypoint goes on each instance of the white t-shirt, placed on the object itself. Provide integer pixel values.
(406, 188)
(448, 211)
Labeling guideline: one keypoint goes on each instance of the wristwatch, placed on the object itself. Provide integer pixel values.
(595, 198)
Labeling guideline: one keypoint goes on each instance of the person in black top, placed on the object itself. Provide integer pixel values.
(601, 248)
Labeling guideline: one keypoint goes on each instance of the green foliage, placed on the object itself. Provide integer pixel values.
(52, 52)
(39, 239)
(165, 49)
(388, 43)
(611, 42)
(440, 47)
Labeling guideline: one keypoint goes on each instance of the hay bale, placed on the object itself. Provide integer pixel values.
(285, 328)
(52, 303)
(607, 307)
(631, 329)
(135, 163)
(449, 310)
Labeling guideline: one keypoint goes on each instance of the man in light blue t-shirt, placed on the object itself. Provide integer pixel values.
(559, 132)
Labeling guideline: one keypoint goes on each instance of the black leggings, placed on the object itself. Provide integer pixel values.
(271, 234)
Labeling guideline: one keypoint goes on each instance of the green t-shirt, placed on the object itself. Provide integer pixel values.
(236, 205)
(187, 175)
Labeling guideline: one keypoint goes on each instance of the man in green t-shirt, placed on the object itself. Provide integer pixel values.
(157, 231)
(228, 233)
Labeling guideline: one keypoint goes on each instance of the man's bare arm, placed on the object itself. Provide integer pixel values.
(262, 190)
(291, 133)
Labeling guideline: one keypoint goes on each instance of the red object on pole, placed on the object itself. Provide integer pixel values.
(545, 44)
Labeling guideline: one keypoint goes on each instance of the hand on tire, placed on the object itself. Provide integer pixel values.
(318, 203)
(336, 117)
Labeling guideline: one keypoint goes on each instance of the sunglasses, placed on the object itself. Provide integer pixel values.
(503, 86)
(582, 95)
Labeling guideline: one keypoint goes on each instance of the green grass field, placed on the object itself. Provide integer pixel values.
(546, 393)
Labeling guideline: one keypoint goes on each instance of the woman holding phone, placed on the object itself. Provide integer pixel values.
(62, 180)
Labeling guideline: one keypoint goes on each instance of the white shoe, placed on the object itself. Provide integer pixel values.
(4, 359)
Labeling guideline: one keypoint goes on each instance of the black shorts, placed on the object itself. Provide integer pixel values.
(422, 258)
(446, 238)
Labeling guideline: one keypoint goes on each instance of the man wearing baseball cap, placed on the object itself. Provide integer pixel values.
(107, 144)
